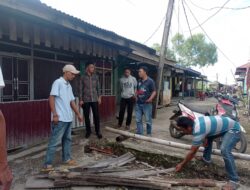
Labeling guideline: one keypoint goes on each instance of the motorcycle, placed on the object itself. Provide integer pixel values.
(194, 112)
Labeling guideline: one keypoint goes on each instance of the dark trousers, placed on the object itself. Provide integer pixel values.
(129, 103)
(95, 111)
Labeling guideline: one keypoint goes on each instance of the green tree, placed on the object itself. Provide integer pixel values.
(169, 54)
(194, 51)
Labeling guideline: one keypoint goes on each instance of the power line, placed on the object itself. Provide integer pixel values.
(131, 3)
(189, 28)
(208, 35)
(211, 16)
(177, 15)
(155, 31)
(218, 7)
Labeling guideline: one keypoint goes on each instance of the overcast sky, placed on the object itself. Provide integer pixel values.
(138, 19)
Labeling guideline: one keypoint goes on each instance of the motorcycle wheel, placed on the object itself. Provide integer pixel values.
(240, 147)
(174, 132)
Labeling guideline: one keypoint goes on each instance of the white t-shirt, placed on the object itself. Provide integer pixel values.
(128, 86)
(62, 91)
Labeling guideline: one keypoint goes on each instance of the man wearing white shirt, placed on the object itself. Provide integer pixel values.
(62, 103)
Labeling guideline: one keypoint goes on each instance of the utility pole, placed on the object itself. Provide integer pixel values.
(163, 51)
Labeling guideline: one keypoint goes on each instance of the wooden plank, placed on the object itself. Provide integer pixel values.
(116, 162)
(89, 47)
(37, 183)
(47, 35)
(12, 29)
(19, 30)
(118, 181)
(26, 32)
(139, 173)
(37, 35)
(66, 42)
(77, 44)
(84, 45)
(57, 38)
(172, 144)
(110, 51)
(71, 43)
(99, 50)
(81, 46)
(1, 30)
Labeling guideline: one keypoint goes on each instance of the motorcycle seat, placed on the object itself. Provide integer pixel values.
(200, 110)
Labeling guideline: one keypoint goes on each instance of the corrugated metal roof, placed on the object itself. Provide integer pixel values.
(37, 4)
(187, 69)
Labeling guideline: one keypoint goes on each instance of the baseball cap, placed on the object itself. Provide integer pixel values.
(70, 68)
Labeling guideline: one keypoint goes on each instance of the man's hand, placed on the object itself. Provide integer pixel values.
(81, 103)
(6, 178)
(80, 118)
(205, 143)
(179, 167)
(149, 100)
(55, 119)
(99, 100)
(134, 98)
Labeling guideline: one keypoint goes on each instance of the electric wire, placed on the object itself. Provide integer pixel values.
(208, 35)
(211, 16)
(155, 31)
(218, 7)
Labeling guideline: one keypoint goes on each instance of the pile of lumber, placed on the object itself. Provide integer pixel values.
(114, 171)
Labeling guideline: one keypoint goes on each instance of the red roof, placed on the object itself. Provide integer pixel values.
(245, 66)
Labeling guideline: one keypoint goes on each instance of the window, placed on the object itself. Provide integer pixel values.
(104, 72)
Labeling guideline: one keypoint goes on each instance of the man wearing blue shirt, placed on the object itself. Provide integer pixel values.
(146, 92)
(62, 103)
(204, 130)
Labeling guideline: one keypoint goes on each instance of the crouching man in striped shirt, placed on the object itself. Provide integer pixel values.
(204, 130)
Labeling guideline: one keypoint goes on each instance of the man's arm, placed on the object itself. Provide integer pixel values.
(135, 85)
(75, 109)
(81, 94)
(53, 109)
(188, 158)
(150, 99)
(153, 94)
(98, 88)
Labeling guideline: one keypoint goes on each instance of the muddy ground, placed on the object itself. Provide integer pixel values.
(156, 155)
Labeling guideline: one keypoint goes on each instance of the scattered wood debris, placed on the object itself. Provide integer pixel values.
(94, 147)
(114, 171)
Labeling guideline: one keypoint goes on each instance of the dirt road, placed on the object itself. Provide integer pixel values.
(32, 163)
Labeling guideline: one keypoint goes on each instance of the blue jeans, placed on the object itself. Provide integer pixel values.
(140, 110)
(229, 140)
(60, 133)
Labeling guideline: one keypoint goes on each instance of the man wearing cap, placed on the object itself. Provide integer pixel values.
(61, 101)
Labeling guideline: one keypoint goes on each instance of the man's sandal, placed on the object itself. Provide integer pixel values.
(70, 163)
(47, 168)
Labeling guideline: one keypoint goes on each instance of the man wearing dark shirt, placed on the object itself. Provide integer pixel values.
(90, 99)
(146, 92)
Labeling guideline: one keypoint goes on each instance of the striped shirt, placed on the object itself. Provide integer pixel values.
(208, 126)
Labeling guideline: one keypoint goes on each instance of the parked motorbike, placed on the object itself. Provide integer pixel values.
(194, 112)
(227, 106)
